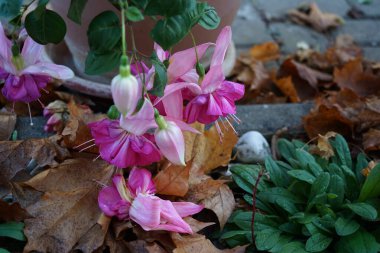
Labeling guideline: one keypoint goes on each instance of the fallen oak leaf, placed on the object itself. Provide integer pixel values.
(200, 244)
(353, 76)
(173, 180)
(7, 125)
(63, 204)
(267, 51)
(18, 156)
(141, 246)
(313, 16)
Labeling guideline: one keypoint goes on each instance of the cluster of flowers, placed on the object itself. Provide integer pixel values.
(148, 128)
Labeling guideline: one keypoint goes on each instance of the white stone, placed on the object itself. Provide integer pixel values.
(252, 147)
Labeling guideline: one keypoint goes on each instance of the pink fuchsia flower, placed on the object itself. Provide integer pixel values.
(26, 74)
(125, 142)
(126, 93)
(170, 140)
(135, 200)
(56, 112)
(215, 97)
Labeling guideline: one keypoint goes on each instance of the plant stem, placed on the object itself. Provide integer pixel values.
(259, 176)
(195, 46)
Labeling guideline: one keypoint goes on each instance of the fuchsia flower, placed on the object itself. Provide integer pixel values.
(126, 92)
(215, 97)
(26, 74)
(126, 142)
(135, 200)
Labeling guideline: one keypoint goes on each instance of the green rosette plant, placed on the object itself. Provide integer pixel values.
(307, 203)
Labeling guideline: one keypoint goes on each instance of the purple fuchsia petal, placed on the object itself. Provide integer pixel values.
(49, 69)
(222, 43)
(108, 200)
(140, 181)
(143, 151)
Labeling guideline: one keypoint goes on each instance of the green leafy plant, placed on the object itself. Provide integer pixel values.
(307, 203)
(12, 230)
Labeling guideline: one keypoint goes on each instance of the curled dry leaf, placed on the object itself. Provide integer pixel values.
(173, 180)
(305, 80)
(214, 195)
(11, 212)
(76, 131)
(287, 87)
(371, 140)
(313, 16)
(323, 147)
(369, 168)
(197, 225)
(200, 244)
(267, 51)
(26, 156)
(7, 125)
(353, 76)
(141, 246)
(63, 204)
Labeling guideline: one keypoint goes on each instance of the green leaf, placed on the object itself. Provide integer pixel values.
(361, 163)
(320, 185)
(267, 238)
(283, 240)
(243, 220)
(371, 187)
(293, 247)
(344, 226)
(280, 197)
(13, 230)
(361, 241)
(4, 250)
(209, 18)
(104, 32)
(302, 175)
(336, 187)
(134, 14)
(140, 3)
(160, 76)
(169, 8)
(10, 9)
(169, 32)
(76, 10)
(231, 234)
(99, 63)
(318, 242)
(45, 26)
(245, 177)
(277, 175)
(364, 210)
(286, 149)
(342, 151)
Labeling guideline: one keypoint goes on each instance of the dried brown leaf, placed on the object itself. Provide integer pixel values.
(200, 244)
(197, 225)
(323, 147)
(371, 140)
(17, 156)
(173, 180)
(267, 51)
(313, 16)
(11, 212)
(287, 87)
(353, 76)
(7, 125)
(63, 204)
(368, 169)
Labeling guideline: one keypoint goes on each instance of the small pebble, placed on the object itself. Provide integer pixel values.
(252, 147)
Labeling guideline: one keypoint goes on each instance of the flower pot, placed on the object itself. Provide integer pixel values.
(77, 44)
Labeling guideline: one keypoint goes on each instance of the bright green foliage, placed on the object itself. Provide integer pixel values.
(12, 230)
(308, 203)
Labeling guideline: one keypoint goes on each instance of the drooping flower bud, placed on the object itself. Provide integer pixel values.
(170, 141)
(125, 93)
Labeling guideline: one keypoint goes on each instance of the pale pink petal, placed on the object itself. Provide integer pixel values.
(190, 77)
(171, 220)
(161, 54)
(140, 181)
(171, 143)
(173, 104)
(183, 125)
(145, 211)
(141, 122)
(185, 209)
(174, 87)
(213, 79)
(49, 69)
(222, 44)
(5, 52)
(183, 61)
(31, 51)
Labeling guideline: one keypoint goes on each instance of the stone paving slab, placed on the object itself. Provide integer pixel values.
(289, 34)
(370, 10)
(248, 28)
(364, 32)
(372, 53)
(277, 9)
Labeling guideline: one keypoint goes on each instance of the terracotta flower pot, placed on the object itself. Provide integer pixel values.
(77, 44)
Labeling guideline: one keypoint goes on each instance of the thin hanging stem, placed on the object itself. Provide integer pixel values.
(123, 31)
(195, 46)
